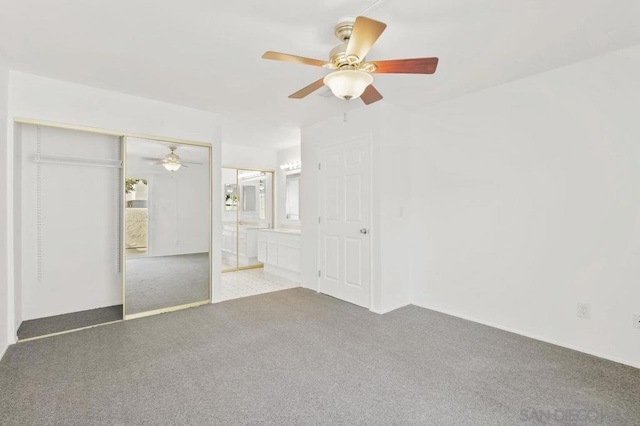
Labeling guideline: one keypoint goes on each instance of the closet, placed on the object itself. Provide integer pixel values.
(73, 265)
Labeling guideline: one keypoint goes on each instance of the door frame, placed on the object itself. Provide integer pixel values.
(369, 214)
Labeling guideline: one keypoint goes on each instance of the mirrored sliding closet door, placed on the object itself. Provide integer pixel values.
(167, 232)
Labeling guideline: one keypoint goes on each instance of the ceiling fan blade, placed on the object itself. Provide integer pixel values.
(370, 95)
(193, 163)
(307, 90)
(364, 34)
(407, 66)
(276, 56)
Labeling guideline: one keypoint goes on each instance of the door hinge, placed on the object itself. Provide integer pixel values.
(319, 166)
(319, 220)
(319, 274)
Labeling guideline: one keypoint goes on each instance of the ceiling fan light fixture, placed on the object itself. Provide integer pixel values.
(348, 84)
(172, 167)
(171, 161)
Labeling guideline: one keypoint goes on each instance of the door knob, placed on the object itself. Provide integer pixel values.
(364, 231)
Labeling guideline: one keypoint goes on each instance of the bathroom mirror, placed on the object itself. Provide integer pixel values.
(293, 197)
(168, 211)
(262, 198)
(230, 196)
(249, 198)
(136, 218)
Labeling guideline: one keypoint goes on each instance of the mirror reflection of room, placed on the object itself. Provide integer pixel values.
(247, 207)
(136, 216)
(292, 203)
(167, 190)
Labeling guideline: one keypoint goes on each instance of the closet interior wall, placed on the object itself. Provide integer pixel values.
(67, 221)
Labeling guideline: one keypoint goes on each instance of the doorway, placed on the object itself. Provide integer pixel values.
(136, 216)
(247, 208)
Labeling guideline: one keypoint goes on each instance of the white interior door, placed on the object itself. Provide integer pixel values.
(345, 193)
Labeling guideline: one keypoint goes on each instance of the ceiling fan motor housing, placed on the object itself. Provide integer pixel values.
(344, 28)
(338, 55)
(338, 58)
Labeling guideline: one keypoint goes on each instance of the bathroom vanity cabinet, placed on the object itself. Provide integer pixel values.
(279, 250)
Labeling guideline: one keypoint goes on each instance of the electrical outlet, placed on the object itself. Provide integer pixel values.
(584, 311)
(636, 321)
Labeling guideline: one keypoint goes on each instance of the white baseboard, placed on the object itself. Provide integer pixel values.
(532, 336)
(3, 349)
(281, 272)
(387, 310)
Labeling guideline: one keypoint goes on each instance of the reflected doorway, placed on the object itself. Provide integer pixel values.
(137, 216)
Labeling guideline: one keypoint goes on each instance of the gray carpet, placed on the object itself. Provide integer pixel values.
(298, 357)
(57, 323)
(166, 281)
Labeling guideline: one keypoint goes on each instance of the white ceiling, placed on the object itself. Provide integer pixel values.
(207, 54)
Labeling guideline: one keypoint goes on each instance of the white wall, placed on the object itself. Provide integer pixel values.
(387, 128)
(179, 212)
(4, 206)
(285, 156)
(526, 201)
(52, 100)
(251, 158)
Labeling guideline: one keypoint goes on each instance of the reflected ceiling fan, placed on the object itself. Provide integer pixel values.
(352, 77)
(171, 161)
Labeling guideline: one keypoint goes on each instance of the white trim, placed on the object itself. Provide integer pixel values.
(532, 336)
(282, 272)
(3, 351)
(387, 310)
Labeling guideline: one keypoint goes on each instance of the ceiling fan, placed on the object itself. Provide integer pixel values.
(352, 77)
(171, 161)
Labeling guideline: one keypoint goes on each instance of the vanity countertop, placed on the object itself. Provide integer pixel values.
(283, 231)
(243, 227)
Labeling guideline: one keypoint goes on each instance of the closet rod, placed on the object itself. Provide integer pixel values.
(93, 162)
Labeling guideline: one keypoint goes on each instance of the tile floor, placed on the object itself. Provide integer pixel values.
(251, 282)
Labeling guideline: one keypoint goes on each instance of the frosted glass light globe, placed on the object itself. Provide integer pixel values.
(348, 84)
(172, 167)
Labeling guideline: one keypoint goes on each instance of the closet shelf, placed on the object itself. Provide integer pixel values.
(76, 161)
